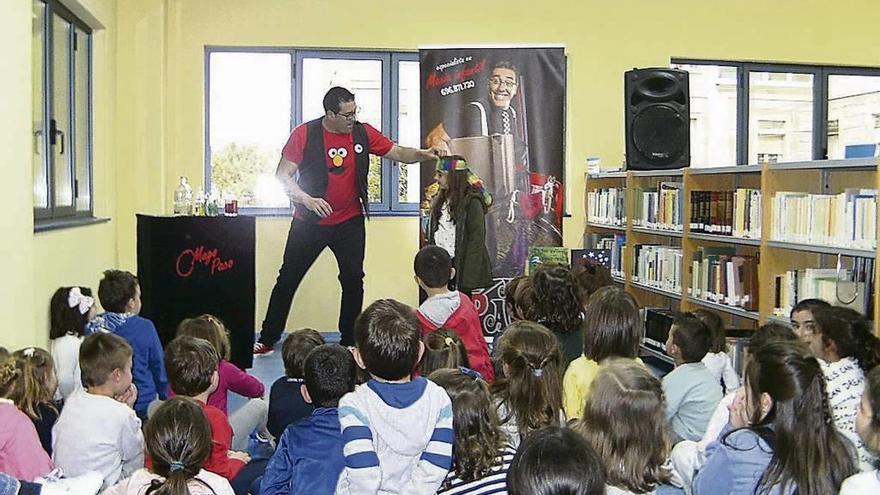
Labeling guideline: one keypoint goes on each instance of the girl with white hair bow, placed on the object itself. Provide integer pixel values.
(70, 310)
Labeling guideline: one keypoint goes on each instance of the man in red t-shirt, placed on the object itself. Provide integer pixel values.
(324, 168)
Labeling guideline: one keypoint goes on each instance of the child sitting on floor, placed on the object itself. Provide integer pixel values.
(868, 426)
(691, 390)
(529, 395)
(309, 456)
(613, 329)
(120, 295)
(178, 438)
(98, 430)
(397, 430)
(481, 454)
(443, 349)
(35, 391)
(253, 414)
(450, 309)
(286, 402)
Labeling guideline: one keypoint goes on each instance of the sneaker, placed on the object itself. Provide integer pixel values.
(265, 437)
(261, 349)
(87, 484)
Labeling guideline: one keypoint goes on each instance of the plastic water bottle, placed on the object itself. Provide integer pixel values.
(183, 198)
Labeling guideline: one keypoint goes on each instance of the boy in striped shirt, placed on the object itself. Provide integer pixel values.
(397, 431)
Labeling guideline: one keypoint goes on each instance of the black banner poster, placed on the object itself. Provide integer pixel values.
(188, 266)
(503, 110)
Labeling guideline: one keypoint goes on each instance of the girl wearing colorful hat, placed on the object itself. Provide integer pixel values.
(457, 222)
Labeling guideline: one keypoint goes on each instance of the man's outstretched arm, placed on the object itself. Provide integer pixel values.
(404, 154)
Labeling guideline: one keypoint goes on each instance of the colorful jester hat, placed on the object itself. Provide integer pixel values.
(455, 162)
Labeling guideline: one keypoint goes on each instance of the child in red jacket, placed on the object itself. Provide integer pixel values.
(192, 370)
(450, 309)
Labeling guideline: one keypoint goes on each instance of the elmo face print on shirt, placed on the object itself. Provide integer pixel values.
(337, 156)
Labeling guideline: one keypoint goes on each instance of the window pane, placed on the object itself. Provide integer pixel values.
(854, 105)
(374, 180)
(361, 77)
(780, 117)
(250, 110)
(713, 103)
(409, 130)
(39, 160)
(82, 85)
(62, 176)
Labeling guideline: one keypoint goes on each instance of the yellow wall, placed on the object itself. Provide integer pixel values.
(16, 222)
(151, 129)
(391, 245)
(37, 264)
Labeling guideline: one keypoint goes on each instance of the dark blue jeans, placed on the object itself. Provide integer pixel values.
(253, 470)
(305, 241)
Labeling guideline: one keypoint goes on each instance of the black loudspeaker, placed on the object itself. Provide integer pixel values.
(658, 124)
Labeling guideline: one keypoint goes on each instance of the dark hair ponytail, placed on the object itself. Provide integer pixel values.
(176, 483)
(178, 438)
(849, 331)
(808, 451)
(532, 386)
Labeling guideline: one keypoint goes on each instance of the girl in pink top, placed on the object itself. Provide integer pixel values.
(255, 412)
(21, 455)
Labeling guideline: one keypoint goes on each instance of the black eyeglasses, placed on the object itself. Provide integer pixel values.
(507, 83)
(350, 115)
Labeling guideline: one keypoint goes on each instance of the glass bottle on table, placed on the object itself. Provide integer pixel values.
(231, 206)
(183, 198)
(211, 203)
(200, 203)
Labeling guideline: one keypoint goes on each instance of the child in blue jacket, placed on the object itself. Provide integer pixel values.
(309, 456)
(120, 296)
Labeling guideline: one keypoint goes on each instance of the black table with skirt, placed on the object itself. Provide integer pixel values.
(188, 266)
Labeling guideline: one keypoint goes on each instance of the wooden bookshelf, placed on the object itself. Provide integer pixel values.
(660, 232)
(656, 290)
(608, 226)
(775, 256)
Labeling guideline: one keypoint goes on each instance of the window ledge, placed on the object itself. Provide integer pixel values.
(66, 223)
(405, 213)
(282, 213)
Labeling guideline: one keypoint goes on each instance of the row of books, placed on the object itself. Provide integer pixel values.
(852, 288)
(659, 208)
(846, 219)
(607, 206)
(735, 213)
(658, 266)
(615, 244)
(721, 276)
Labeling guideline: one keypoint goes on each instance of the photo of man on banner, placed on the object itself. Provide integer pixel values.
(502, 109)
